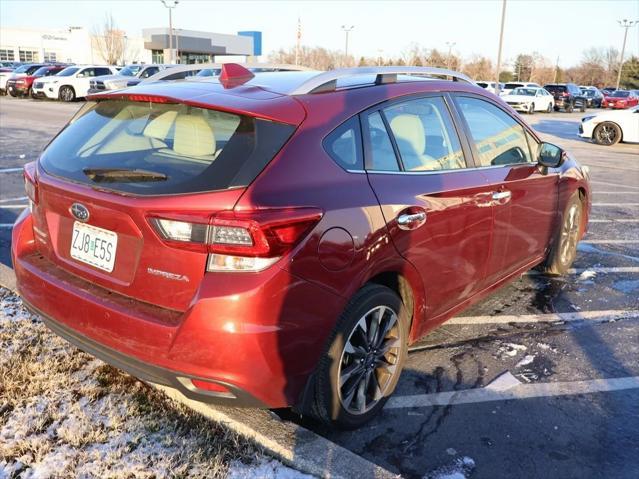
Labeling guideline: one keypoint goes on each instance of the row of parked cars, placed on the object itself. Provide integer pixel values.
(68, 82)
(529, 97)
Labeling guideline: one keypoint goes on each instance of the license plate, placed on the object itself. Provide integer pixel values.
(94, 246)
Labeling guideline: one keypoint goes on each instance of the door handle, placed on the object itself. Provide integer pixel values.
(411, 221)
(501, 195)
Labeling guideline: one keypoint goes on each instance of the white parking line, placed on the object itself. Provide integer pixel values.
(6, 225)
(518, 391)
(595, 269)
(13, 207)
(615, 204)
(22, 198)
(609, 241)
(615, 192)
(614, 184)
(11, 170)
(604, 270)
(601, 220)
(605, 315)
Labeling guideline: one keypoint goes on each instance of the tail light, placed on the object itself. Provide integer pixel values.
(239, 241)
(30, 184)
(565, 93)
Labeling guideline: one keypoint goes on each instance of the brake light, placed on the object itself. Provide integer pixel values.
(565, 93)
(238, 241)
(30, 184)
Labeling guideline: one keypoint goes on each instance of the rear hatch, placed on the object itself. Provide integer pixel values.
(557, 91)
(119, 185)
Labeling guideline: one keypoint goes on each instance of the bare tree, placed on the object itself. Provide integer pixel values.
(479, 68)
(109, 41)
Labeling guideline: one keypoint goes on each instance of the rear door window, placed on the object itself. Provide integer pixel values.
(424, 135)
(162, 148)
(381, 153)
(499, 139)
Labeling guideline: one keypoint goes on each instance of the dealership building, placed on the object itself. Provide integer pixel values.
(79, 45)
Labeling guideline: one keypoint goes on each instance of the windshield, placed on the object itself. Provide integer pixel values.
(67, 72)
(589, 92)
(621, 94)
(130, 71)
(21, 69)
(512, 86)
(163, 148)
(524, 91)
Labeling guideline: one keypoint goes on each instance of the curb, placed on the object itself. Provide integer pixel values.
(291, 443)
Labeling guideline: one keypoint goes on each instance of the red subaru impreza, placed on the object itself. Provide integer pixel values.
(280, 239)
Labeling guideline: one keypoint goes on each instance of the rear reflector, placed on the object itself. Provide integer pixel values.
(209, 386)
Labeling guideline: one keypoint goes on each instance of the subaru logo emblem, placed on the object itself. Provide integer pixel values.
(80, 212)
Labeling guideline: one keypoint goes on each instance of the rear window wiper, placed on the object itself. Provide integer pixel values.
(121, 175)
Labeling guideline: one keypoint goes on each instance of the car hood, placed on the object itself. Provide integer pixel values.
(518, 98)
(612, 114)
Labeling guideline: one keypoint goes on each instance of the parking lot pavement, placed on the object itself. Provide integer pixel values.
(541, 379)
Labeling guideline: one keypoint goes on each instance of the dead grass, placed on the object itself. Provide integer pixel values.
(65, 414)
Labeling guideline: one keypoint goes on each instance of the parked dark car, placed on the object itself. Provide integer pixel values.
(280, 239)
(593, 97)
(567, 96)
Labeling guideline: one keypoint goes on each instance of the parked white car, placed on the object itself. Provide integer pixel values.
(508, 87)
(530, 100)
(611, 127)
(70, 83)
(489, 85)
(119, 81)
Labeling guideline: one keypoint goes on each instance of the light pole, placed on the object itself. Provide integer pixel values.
(626, 24)
(170, 4)
(450, 46)
(347, 30)
(501, 41)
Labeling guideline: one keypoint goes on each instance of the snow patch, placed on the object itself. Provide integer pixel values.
(461, 468)
(526, 360)
(264, 470)
(587, 274)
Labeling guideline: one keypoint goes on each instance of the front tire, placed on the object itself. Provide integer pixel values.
(564, 248)
(549, 108)
(66, 93)
(569, 107)
(13, 92)
(607, 134)
(531, 109)
(583, 107)
(361, 367)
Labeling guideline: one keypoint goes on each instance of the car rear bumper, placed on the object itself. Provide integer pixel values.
(260, 335)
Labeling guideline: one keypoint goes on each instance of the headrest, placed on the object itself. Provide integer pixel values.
(410, 129)
(193, 136)
(159, 127)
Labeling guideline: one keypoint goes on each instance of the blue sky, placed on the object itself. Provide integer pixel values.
(390, 26)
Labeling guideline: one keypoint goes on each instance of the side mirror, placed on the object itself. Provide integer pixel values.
(550, 155)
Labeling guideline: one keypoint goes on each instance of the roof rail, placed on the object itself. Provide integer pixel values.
(327, 81)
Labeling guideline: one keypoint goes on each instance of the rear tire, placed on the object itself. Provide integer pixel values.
(549, 108)
(66, 93)
(364, 358)
(583, 107)
(607, 134)
(12, 92)
(564, 249)
(569, 107)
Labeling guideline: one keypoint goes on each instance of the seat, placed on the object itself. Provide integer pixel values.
(410, 136)
(193, 136)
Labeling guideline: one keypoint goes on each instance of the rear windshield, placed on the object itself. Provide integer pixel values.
(621, 94)
(555, 88)
(511, 86)
(157, 148)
